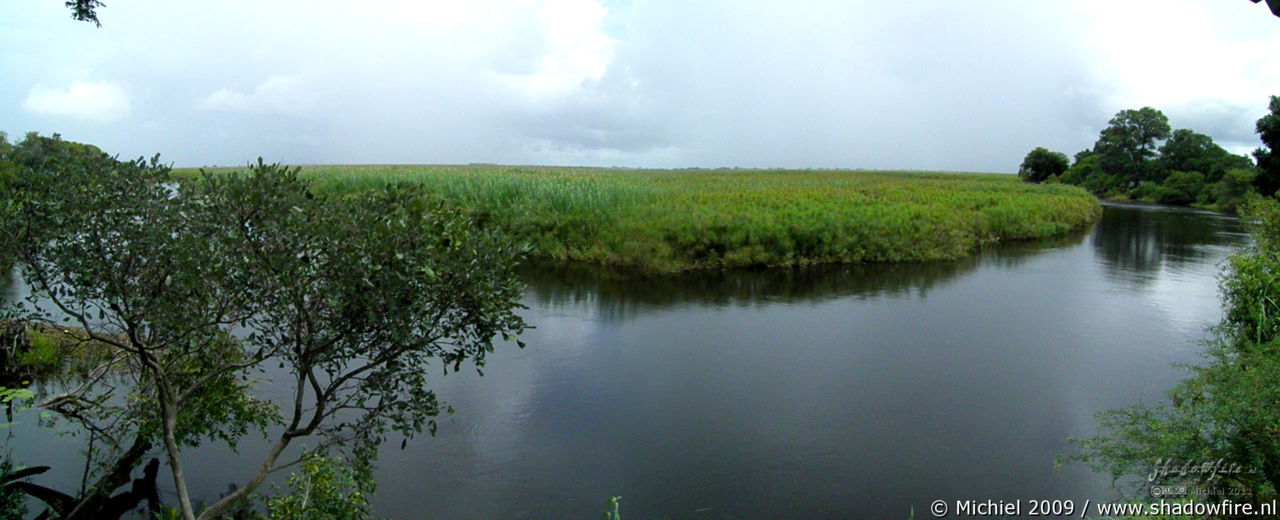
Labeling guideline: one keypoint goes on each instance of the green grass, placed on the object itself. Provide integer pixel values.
(40, 351)
(672, 220)
(43, 353)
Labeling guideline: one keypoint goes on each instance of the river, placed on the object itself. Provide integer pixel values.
(835, 392)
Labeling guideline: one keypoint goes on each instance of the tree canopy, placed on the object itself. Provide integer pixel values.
(1040, 164)
(1273, 4)
(87, 10)
(1190, 151)
(1128, 144)
(1268, 128)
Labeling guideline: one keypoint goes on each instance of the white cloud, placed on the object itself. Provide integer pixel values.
(278, 95)
(101, 102)
(1176, 52)
(573, 49)
(581, 50)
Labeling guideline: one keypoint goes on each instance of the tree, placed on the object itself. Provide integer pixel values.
(1230, 191)
(1180, 188)
(1123, 162)
(196, 290)
(1128, 144)
(1273, 4)
(1087, 172)
(53, 153)
(8, 170)
(85, 10)
(1190, 151)
(1040, 164)
(1268, 157)
(1227, 409)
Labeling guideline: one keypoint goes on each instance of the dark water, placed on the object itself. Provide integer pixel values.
(849, 392)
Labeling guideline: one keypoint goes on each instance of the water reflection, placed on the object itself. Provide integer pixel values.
(829, 392)
(1140, 241)
(620, 296)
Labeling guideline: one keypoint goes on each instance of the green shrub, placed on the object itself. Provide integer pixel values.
(1230, 191)
(1180, 188)
(326, 489)
(1041, 164)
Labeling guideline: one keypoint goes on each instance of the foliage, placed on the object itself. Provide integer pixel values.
(611, 509)
(85, 10)
(1268, 157)
(1127, 144)
(1180, 188)
(1087, 172)
(1229, 407)
(353, 294)
(1231, 189)
(11, 397)
(327, 489)
(1040, 164)
(8, 170)
(54, 154)
(1189, 151)
(1273, 4)
(106, 245)
(664, 221)
(1186, 169)
(35, 151)
(43, 351)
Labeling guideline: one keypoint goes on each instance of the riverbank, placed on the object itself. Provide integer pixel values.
(664, 221)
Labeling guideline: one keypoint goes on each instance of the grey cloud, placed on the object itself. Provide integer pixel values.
(856, 84)
(1231, 125)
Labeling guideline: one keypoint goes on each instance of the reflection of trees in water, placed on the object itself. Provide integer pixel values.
(621, 296)
(1135, 241)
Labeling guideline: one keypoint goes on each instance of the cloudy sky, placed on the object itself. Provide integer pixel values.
(946, 85)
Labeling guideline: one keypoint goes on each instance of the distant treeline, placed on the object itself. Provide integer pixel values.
(1139, 157)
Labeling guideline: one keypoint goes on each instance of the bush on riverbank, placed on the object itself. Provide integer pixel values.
(667, 221)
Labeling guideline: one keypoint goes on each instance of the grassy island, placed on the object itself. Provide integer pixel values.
(673, 220)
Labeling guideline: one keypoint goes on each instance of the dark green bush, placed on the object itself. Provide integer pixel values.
(1180, 188)
(1040, 164)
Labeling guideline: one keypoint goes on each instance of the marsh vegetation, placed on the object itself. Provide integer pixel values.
(675, 220)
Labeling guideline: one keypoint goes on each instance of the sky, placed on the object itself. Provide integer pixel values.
(967, 85)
